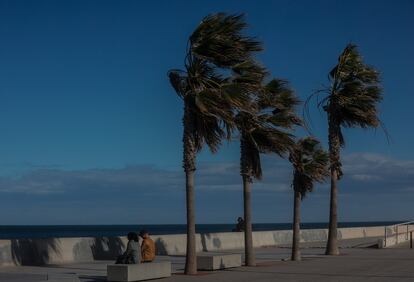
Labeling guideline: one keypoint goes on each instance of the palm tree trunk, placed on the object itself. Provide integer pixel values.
(191, 255)
(245, 172)
(296, 227)
(332, 245)
(334, 147)
(248, 232)
(189, 157)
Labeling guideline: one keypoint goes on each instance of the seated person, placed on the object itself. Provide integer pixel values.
(147, 247)
(240, 225)
(131, 254)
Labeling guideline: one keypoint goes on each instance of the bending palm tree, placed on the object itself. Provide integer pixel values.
(310, 164)
(351, 101)
(209, 97)
(265, 129)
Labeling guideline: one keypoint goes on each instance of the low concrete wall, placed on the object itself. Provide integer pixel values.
(393, 239)
(5, 253)
(64, 250)
(58, 250)
(175, 244)
(214, 242)
(235, 240)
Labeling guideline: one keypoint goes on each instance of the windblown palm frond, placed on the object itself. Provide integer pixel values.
(219, 78)
(355, 91)
(277, 104)
(310, 164)
(248, 77)
(351, 99)
(219, 39)
(211, 108)
(267, 127)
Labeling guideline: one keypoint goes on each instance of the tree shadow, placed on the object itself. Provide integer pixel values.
(107, 248)
(34, 251)
(160, 247)
(217, 243)
(204, 241)
(222, 264)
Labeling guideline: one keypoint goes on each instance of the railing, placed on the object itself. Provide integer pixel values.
(397, 228)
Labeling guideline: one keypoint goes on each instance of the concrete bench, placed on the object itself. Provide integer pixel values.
(59, 277)
(218, 261)
(138, 272)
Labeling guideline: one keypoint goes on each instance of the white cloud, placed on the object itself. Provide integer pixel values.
(365, 177)
(362, 172)
(370, 183)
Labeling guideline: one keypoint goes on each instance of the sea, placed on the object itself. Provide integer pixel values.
(49, 231)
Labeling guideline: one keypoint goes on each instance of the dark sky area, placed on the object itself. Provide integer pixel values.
(90, 129)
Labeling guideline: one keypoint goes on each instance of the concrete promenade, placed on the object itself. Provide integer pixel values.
(354, 264)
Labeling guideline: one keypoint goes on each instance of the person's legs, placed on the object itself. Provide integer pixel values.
(120, 259)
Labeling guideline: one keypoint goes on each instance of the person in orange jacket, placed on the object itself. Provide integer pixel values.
(147, 247)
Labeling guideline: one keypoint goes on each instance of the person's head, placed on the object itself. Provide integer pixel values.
(239, 219)
(144, 234)
(132, 236)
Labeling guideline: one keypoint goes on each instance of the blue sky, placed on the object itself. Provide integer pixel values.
(91, 129)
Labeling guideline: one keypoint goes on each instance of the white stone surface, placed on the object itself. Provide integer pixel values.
(138, 272)
(218, 261)
(175, 244)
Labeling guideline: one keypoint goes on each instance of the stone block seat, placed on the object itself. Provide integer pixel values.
(218, 261)
(59, 277)
(138, 272)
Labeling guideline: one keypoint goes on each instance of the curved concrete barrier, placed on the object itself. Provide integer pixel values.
(175, 244)
(64, 250)
(59, 250)
(222, 241)
(5, 253)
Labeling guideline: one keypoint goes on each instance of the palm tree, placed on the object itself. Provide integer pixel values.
(210, 97)
(351, 101)
(310, 164)
(264, 129)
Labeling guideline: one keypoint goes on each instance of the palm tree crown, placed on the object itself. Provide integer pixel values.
(353, 96)
(219, 39)
(310, 164)
(355, 91)
(218, 77)
(266, 128)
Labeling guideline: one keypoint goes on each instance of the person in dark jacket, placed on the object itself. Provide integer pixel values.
(240, 225)
(132, 253)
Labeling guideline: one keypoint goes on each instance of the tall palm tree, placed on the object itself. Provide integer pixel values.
(265, 128)
(351, 101)
(211, 90)
(310, 164)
